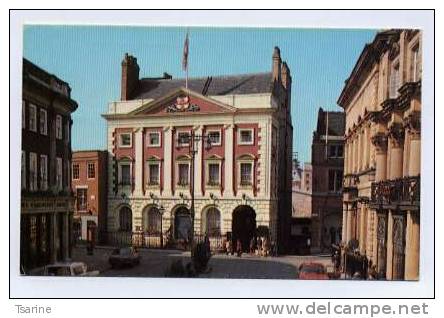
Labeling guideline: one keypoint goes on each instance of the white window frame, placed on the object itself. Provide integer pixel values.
(32, 118)
(43, 124)
(87, 170)
(33, 185)
(240, 142)
(23, 114)
(183, 162)
(219, 131)
(148, 139)
(59, 173)
(59, 127)
(120, 140)
(179, 144)
(124, 163)
(207, 174)
(23, 170)
(86, 197)
(72, 167)
(44, 172)
(239, 173)
(148, 174)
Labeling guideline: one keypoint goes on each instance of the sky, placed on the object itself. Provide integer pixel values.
(89, 59)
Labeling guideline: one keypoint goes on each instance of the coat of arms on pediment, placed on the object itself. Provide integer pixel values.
(182, 104)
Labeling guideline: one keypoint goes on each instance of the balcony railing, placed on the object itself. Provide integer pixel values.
(399, 191)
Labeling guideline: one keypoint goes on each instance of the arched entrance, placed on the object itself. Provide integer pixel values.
(125, 219)
(243, 225)
(182, 224)
(151, 220)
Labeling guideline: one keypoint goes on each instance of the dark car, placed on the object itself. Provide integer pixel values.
(312, 271)
(124, 257)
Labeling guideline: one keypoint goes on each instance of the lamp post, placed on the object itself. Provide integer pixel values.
(193, 140)
(161, 211)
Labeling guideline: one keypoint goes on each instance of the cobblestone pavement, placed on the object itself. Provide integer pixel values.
(154, 263)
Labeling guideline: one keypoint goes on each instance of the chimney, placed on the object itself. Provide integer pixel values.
(277, 64)
(130, 76)
(286, 77)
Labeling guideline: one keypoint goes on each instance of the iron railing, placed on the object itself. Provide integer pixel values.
(398, 191)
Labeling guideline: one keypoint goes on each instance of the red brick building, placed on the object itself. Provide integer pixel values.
(89, 183)
(327, 175)
(242, 182)
(46, 197)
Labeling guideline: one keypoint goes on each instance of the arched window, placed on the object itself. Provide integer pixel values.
(213, 222)
(152, 220)
(125, 219)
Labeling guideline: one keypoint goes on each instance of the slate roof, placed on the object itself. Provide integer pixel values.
(336, 123)
(219, 85)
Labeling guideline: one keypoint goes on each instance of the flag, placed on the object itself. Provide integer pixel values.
(185, 54)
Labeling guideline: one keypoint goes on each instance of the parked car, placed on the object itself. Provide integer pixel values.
(312, 271)
(124, 257)
(64, 269)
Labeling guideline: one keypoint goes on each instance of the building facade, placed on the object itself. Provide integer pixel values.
(46, 196)
(241, 125)
(301, 208)
(382, 102)
(327, 161)
(89, 183)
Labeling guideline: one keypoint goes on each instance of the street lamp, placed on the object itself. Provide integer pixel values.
(161, 211)
(193, 140)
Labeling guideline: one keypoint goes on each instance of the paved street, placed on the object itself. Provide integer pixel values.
(154, 263)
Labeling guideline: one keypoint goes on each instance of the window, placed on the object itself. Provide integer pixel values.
(125, 140)
(183, 174)
(43, 172)
(32, 117)
(213, 174)
(23, 114)
(213, 222)
(214, 137)
(154, 139)
(335, 180)
(416, 64)
(67, 132)
(43, 122)
(82, 199)
(91, 170)
(59, 176)
(125, 174)
(394, 81)
(153, 173)
(32, 171)
(59, 126)
(23, 174)
(246, 173)
(246, 137)
(75, 171)
(335, 151)
(183, 138)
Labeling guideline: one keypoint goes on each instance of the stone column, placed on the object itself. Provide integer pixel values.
(380, 142)
(362, 229)
(349, 223)
(344, 223)
(168, 160)
(412, 246)
(138, 169)
(389, 272)
(396, 133)
(229, 164)
(65, 247)
(198, 163)
(52, 238)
